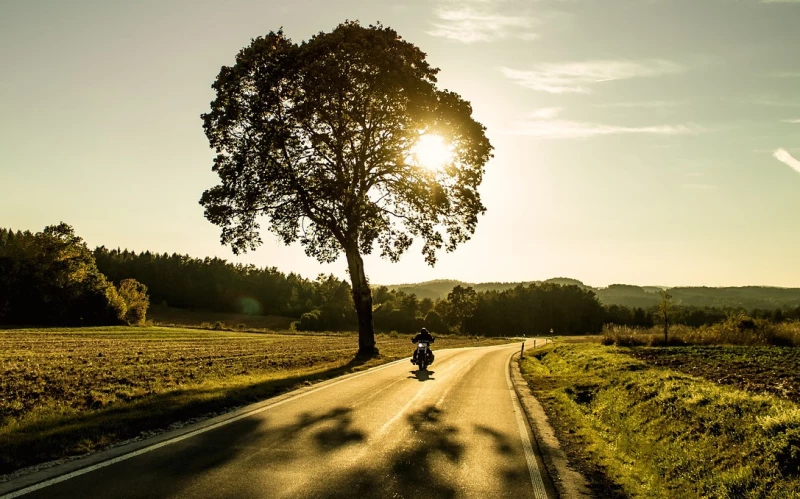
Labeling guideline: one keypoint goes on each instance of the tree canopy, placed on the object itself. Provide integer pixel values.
(463, 303)
(318, 138)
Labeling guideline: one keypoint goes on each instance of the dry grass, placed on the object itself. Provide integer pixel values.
(651, 432)
(736, 330)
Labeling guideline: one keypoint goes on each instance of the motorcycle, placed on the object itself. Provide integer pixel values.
(423, 356)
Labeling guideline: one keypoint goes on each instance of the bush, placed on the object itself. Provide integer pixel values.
(325, 319)
(134, 294)
(435, 323)
(787, 334)
(310, 321)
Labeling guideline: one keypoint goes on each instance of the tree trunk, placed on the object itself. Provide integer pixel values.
(362, 300)
(666, 330)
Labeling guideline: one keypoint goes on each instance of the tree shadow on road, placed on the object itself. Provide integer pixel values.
(70, 435)
(248, 446)
(413, 471)
(502, 443)
(515, 477)
(424, 465)
(340, 434)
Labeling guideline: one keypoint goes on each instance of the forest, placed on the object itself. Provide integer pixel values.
(744, 297)
(52, 278)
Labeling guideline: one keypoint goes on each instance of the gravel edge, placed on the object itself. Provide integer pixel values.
(569, 483)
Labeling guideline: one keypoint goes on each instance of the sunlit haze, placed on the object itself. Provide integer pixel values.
(432, 152)
(652, 143)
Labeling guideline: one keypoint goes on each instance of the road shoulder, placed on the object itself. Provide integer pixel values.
(568, 482)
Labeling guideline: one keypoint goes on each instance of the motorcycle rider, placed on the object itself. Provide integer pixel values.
(424, 336)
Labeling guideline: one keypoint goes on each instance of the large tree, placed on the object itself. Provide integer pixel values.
(463, 303)
(318, 140)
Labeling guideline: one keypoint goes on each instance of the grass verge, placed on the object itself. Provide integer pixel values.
(70, 391)
(656, 433)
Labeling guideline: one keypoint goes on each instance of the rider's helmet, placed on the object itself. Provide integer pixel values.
(424, 331)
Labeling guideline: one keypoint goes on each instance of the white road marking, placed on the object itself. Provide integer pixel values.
(539, 491)
(400, 413)
(124, 457)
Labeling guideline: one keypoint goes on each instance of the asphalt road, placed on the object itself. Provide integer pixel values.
(455, 431)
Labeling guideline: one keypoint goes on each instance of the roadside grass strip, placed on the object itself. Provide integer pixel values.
(658, 433)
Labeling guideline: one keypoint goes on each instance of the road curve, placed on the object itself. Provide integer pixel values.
(455, 431)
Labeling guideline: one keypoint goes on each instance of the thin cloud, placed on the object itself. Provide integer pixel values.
(790, 121)
(546, 113)
(469, 24)
(577, 77)
(565, 129)
(775, 103)
(651, 104)
(784, 157)
(700, 187)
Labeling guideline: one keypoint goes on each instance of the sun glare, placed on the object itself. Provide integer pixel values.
(432, 152)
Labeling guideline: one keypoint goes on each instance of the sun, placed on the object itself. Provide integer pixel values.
(432, 152)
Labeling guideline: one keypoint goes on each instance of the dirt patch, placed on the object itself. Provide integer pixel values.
(758, 369)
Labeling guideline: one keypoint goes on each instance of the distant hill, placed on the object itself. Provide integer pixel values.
(749, 297)
(566, 281)
(628, 295)
(746, 297)
(440, 288)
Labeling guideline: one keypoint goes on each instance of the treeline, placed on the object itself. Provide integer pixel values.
(645, 297)
(326, 303)
(50, 278)
(216, 285)
(694, 316)
(532, 309)
(211, 283)
(538, 309)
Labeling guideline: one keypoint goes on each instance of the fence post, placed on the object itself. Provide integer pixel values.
(522, 350)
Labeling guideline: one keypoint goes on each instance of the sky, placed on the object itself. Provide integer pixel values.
(651, 142)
